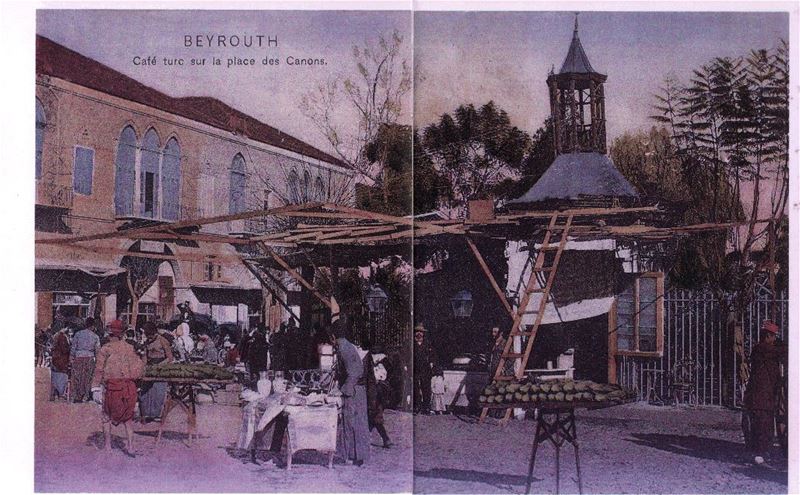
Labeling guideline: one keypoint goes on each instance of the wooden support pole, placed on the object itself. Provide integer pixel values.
(295, 275)
(500, 294)
(283, 210)
(258, 274)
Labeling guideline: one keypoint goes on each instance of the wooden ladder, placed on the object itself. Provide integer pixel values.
(549, 244)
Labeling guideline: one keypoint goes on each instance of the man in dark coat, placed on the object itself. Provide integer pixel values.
(423, 371)
(760, 397)
(257, 352)
(354, 437)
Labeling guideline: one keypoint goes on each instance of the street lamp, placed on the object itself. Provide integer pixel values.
(376, 299)
(462, 304)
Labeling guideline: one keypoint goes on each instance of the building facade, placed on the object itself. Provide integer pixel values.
(112, 153)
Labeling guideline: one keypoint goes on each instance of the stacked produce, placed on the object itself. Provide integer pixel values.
(564, 390)
(202, 371)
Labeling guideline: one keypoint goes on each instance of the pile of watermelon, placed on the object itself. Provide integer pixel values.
(201, 371)
(563, 390)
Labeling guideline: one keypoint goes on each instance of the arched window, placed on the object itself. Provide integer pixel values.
(319, 189)
(293, 187)
(41, 122)
(237, 185)
(125, 176)
(171, 182)
(306, 187)
(149, 174)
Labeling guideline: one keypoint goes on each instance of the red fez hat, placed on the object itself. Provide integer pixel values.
(770, 326)
(116, 327)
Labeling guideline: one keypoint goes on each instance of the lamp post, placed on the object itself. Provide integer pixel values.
(461, 303)
(376, 299)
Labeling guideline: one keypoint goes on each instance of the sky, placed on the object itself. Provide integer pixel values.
(268, 93)
(474, 57)
(459, 57)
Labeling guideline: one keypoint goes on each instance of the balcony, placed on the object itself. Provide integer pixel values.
(53, 195)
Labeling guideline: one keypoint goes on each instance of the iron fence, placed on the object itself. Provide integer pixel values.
(697, 350)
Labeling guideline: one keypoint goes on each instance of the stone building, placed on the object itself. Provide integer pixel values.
(113, 153)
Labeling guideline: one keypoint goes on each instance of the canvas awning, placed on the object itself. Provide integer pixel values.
(226, 295)
(66, 277)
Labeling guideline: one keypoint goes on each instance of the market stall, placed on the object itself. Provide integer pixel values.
(553, 403)
(183, 379)
(303, 410)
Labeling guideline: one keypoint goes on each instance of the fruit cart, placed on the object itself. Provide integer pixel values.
(182, 380)
(554, 413)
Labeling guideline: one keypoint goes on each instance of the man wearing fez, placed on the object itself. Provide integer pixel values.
(760, 396)
(352, 384)
(118, 367)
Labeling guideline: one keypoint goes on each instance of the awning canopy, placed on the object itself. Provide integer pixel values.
(50, 277)
(225, 295)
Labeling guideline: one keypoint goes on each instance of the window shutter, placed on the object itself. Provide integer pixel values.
(237, 185)
(82, 170)
(125, 176)
(40, 125)
(171, 171)
(151, 155)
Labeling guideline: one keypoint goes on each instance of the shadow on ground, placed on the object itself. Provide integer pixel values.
(713, 449)
(503, 481)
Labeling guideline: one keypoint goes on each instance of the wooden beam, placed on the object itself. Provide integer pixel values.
(377, 238)
(179, 225)
(157, 236)
(500, 294)
(358, 232)
(295, 275)
(257, 273)
(174, 257)
(369, 215)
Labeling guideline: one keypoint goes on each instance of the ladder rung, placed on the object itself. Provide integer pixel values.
(538, 289)
(545, 269)
(549, 247)
(530, 312)
(513, 355)
(525, 334)
(506, 378)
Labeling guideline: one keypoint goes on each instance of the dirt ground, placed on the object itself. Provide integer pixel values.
(634, 448)
(68, 459)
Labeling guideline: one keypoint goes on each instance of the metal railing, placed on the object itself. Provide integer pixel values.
(695, 332)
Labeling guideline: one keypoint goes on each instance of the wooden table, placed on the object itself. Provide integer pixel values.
(181, 394)
(311, 427)
(555, 422)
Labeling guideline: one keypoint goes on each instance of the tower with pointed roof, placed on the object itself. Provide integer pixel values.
(577, 103)
(582, 172)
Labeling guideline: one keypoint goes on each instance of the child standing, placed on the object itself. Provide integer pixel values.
(438, 388)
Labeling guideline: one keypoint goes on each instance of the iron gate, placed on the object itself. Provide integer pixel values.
(694, 329)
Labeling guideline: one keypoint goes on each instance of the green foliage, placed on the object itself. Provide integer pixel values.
(728, 129)
(397, 152)
(538, 157)
(474, 150)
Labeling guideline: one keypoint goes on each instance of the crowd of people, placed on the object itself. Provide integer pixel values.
(87, 358)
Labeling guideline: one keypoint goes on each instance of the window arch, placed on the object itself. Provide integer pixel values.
(149, 174)
(293, 187)
(319, 189)
(237, 185)
(125, 176)
(41, 123)
(306, 186)
(171, 181)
